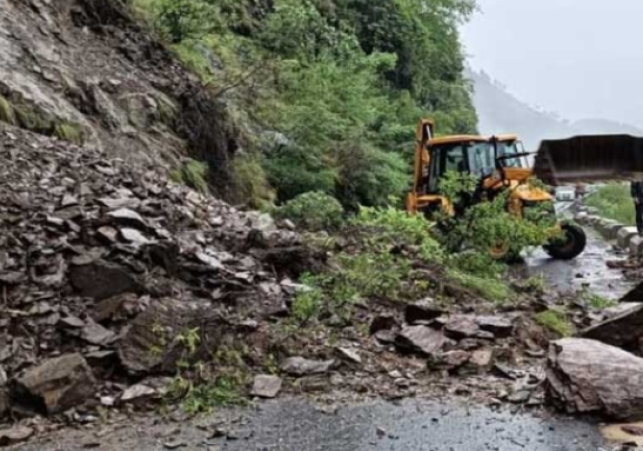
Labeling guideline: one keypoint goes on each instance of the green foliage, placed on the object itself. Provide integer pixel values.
(31, 119)
(309, 301)
(69, 132)
(6, 112)
(490, 287)
(613, 201)
(205, 397)
(488, 224)
(252, 183)
(391, 226)
(555, 320)
(344, 80)
(192, 173)
(313, 211)
(596, 301)
(180, 20)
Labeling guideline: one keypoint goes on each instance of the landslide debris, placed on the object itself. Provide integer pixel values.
(103, 263)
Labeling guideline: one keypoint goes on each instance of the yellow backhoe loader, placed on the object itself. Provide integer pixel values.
(500, 163)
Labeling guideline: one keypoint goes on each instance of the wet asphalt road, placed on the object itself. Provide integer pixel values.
(587, 270)
(413, 425)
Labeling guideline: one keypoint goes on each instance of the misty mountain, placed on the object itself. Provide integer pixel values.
(500, 112)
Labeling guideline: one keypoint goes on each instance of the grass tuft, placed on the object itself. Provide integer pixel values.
(556, 321)
(68, 132)
(192, 173)
(7, 113)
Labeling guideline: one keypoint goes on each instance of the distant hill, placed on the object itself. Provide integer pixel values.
(500, 112)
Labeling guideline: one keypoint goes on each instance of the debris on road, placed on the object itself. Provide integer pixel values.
(266, 386)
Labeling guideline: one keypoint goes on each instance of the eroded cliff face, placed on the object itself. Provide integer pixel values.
(85, 71)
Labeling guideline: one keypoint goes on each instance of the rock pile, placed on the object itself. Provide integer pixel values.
(101, 262)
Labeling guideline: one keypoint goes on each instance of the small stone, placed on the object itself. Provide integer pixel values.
(519, 397)
(382, 323)
(127, 217)
(482, 358)
(16, 434)
(97, 335)
(124, 202)
(174, 444)
(535, 354)
(424, 310)
(454, 359)
(209, 260)
(54, 221)
(349, 354)
(461, 327)
(421, 339)
(109, 234)
(108, 401)
(134, 236)
(68, 201)
(72, 322)
(299, 366)
(266, 386)
(498, 325)
(136, 392)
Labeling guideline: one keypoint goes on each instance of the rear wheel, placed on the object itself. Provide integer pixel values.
(568, 246)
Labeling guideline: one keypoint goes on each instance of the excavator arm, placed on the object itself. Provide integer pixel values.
(587, 159)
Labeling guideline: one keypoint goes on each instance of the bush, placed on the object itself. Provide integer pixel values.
(251, 182)
(614, 201)
(313, 211)
(192, 173)
(392, 226)
(185, 19)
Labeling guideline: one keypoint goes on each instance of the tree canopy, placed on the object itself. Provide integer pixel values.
(344, 81)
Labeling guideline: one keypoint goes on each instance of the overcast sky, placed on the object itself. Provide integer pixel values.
(580, 58)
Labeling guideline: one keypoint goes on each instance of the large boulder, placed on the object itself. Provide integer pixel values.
(586, 376)
(55, 386)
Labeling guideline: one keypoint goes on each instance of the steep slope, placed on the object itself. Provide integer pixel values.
(83, 70)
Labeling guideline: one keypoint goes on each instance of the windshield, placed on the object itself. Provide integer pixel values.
(481, 159)
(506, 148)
(477, 158)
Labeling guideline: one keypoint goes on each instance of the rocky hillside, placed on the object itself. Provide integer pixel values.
(85, 71)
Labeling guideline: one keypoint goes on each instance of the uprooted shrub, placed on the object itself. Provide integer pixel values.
(489, 224)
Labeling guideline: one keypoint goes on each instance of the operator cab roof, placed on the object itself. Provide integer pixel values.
(453, 139)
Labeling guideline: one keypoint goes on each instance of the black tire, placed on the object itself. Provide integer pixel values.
(570, 245)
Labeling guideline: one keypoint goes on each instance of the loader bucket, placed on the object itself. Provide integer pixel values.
(587, 159)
